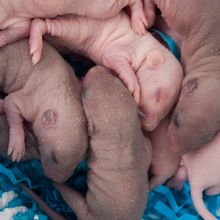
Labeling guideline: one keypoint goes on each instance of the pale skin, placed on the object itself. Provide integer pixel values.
(195, 25)
(201, 167)
(195, 122)
(118, 158)
(15, 16)
(30, 141)
(119, 155)
(148, 69)
(38, 95)
(30, 153)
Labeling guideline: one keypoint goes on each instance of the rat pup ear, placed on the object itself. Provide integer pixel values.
(190, 86)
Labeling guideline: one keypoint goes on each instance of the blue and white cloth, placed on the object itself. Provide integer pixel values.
(163, 203)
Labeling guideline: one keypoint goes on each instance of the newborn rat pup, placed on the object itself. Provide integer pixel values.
(148, 69)
(119, 154)
(201, 167)
(196, 119)
(16, 16)
(48, 97)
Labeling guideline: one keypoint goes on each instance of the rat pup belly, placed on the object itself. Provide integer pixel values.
(147, 68)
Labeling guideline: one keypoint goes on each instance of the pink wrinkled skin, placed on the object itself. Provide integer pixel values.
(196, 27)
(195, 120)
(165, 157)
(147, 68)
(15, 16)
(119, 155)
(48, 98)
(201, 166)
(30, 142)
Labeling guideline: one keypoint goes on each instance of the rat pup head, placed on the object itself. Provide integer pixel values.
(60, 128)
(160, 77)
(62, 142)
(196, 118)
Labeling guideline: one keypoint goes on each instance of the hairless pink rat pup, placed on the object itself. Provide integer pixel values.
(201, 167)
(196, 118)
(119, 155)
(48, 97)
(148, 69)
(15, 16)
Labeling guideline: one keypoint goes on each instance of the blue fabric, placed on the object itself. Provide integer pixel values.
(31, 174)
(169, 41)
(163, 203)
